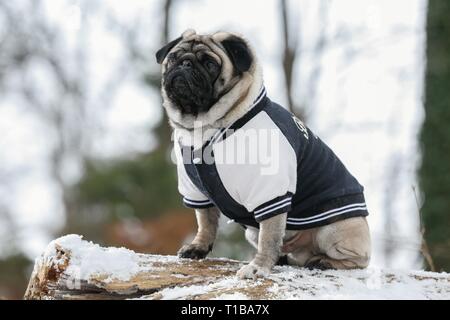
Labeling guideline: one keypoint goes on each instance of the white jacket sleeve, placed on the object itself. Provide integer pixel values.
(265, 184)
(192, 196)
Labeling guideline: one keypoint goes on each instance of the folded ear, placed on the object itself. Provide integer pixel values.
(162, 53)
(239, 53)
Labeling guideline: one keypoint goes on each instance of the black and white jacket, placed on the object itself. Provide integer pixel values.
(267, 163)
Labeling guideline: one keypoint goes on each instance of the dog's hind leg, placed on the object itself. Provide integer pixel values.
(342, 245)
(300, 257)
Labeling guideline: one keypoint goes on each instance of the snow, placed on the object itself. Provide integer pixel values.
(224, 284)
(180, 292)
(88, 260)
(367, 284)
(232, 296)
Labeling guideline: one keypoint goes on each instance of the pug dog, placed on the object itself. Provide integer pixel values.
(300, 206)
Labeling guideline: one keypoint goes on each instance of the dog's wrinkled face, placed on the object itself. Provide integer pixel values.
(199, 69)
(189, 79)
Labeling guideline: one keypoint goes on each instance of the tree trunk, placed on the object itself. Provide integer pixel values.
(163, 130)
(289, 56)
(72, 268)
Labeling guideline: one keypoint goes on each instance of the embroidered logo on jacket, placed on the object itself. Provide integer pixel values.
(301, 126)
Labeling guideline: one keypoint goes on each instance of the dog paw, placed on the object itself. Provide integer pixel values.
(194, 251)
(319, 264)
(252, 271)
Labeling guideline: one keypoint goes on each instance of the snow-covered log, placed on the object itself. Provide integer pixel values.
(72, 268)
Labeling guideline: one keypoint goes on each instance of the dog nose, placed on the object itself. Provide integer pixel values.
(187, 63)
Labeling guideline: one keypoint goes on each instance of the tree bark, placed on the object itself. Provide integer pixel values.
(65, 271)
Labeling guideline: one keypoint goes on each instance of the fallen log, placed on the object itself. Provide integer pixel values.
(72, 268)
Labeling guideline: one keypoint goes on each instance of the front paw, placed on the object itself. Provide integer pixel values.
(253, 271)
(194, 251)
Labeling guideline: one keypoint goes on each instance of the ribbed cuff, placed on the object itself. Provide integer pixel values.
(197, 204)
(273, 207)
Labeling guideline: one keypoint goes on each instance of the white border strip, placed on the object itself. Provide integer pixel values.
(194, 202)
(272, 205)
(276, 208)
(326, 217)
(328, 212)
(260, 96)
(216, 135)
(219, 134)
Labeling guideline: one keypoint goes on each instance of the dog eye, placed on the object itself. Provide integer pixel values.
(172, 58)
(211, 66)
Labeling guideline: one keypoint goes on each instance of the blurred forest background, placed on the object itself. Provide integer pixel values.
(85, 147)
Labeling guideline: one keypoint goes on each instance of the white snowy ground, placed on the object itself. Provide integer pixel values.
(177, 278)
